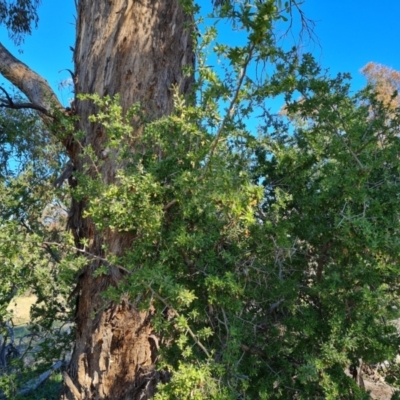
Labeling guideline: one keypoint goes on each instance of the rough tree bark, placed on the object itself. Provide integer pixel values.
(136, 49)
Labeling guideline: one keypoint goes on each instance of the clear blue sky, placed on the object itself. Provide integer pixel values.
(354, 32)
(350, 32)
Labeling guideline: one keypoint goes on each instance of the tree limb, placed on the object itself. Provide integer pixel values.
(42, 98)
(9, 103)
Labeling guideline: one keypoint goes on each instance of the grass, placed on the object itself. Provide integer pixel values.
(21, 307)
(49, 390)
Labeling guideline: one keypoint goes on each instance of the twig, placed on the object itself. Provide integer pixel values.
(93, 256)
(253, 350)
(230, 109)
(170, 204)
(10, 104)
(307, 25)
(335, 131)
(191, 333)
(342, 139)
(53, 255)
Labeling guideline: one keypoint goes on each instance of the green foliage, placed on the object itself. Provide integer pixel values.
(49, 390)
(18, 16)
(276, 257)
(32, 222)
(190, 381)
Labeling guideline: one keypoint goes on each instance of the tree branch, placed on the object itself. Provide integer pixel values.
(230, 110)
(35, 383)
(191, 333)
(9, 103)
(42, 98)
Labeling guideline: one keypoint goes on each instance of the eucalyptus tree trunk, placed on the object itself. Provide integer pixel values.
(136, 49)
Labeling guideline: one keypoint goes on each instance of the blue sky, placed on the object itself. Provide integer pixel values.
(47, 51)
(350, 33)
(353, 32)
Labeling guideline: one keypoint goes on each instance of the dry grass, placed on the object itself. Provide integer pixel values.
(21, 307)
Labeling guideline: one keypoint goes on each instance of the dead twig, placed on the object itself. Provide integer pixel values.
(9, 103)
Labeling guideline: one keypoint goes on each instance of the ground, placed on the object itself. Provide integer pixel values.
(379, 390)
(21, 307)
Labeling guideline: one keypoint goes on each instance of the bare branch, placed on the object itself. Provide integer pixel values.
(71, 386)
(9, 99)
(9, 103)
(307, 25)
(42, 98)
(230, 110)
(170, 204)
(90, 256)
(35, 383)
(191, 333)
